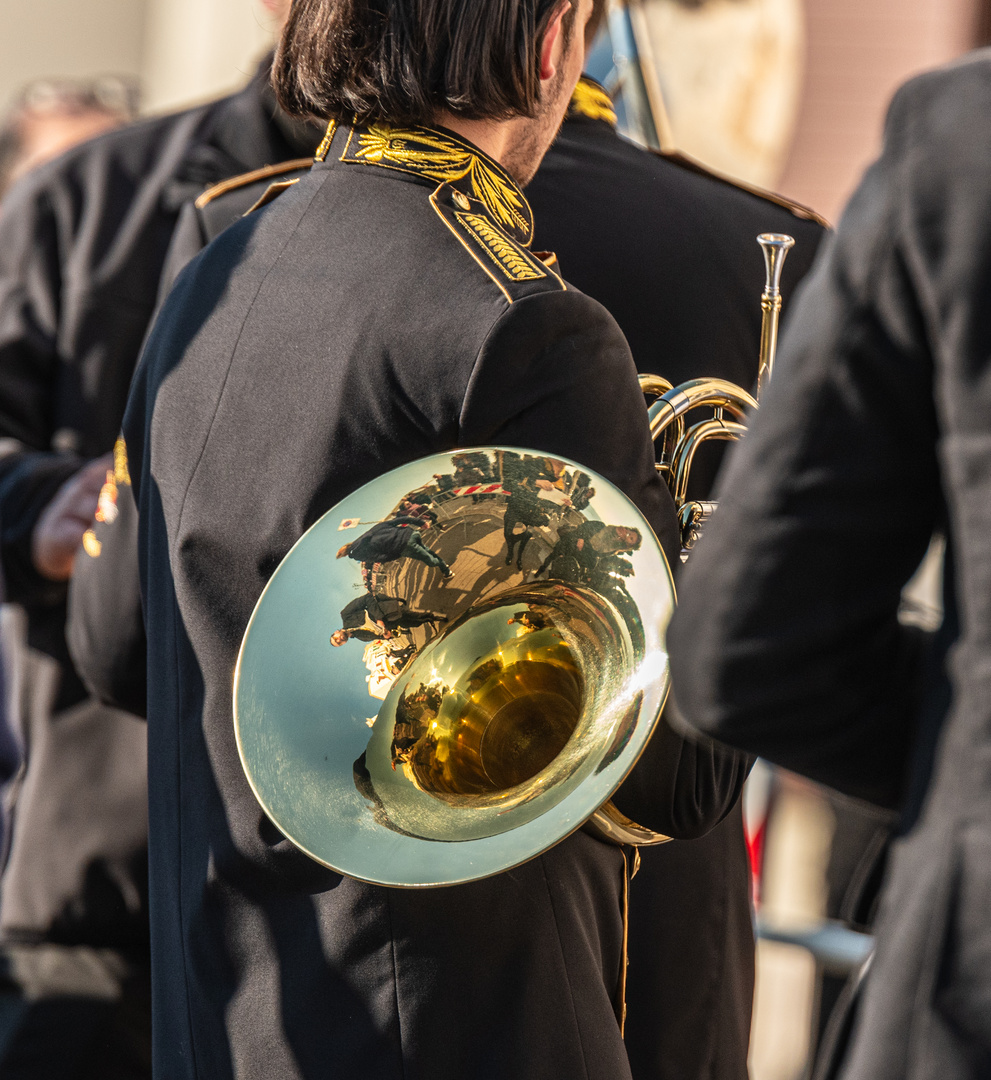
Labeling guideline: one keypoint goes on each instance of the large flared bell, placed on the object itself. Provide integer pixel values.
(455, 667)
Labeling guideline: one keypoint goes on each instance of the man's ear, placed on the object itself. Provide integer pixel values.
(552, 43)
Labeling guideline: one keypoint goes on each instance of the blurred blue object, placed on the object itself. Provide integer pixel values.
(614, 61)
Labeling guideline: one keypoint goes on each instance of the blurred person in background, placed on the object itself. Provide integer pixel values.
(82, 243)
(51, 116)
(873, 436)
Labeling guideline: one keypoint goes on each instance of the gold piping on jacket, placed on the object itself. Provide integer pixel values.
(252, 177)
(446, 159)
(324, 148)
(589, 99)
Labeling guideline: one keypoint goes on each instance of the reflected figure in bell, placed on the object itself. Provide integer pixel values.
(471, 468)
(417, 504)
(523, 507)
(592, 550)
(528, 486)
(369, 617)
(396, 539)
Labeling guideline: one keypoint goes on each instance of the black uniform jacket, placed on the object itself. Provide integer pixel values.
(671, 251)
(875, 429)
(82, 244)
(383, 308)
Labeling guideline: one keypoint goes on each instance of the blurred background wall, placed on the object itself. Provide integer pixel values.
(791, 94)
(180, 50)
(75, 38)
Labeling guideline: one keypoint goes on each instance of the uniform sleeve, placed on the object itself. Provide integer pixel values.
(105, 628)
(30, 305)
(786, 641)
(556, 375)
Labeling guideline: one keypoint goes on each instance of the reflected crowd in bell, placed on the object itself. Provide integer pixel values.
(493, 540)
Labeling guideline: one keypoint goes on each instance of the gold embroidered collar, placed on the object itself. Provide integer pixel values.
(447, 159)
(591, 100)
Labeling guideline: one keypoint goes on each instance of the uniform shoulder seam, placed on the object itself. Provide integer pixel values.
(253, 177)
(799, 210)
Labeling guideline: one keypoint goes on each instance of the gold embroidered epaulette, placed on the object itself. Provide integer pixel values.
(805, 213)
(507, 263)
(591, 100)
(267, 172)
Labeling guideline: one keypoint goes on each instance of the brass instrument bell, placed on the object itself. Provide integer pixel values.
(411, 728)
(472, 675)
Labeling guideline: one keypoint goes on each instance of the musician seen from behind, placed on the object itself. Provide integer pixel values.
(670, 249)
(384, 307)
(874, 434)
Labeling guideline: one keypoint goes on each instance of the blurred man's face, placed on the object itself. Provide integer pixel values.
(44, 134)
(278, 8)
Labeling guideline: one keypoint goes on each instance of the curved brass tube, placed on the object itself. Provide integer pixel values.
(678, 440)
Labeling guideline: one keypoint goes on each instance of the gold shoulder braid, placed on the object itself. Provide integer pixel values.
(500, 249)
(267, 172)
(440, 156)
(589, 99)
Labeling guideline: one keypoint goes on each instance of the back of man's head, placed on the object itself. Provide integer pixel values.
(407, 61)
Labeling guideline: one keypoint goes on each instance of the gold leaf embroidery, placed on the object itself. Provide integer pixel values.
(507, 256)
(432, 154)
(592, 101)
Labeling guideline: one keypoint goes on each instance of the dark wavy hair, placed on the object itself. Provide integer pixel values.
(404, 60)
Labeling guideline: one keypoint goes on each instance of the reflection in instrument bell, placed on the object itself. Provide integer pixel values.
(505, 711)
(536, 678)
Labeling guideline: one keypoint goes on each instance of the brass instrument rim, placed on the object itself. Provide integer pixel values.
(393, 853)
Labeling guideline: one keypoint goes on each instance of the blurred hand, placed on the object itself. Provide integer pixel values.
(60, 528)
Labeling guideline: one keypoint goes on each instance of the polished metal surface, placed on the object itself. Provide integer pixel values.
(675, 422)
(494, 707)
(775, 247)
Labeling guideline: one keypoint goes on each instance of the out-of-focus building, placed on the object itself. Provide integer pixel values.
(784, 93)
(180, 51)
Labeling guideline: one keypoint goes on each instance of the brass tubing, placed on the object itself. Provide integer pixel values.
(704, 431)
